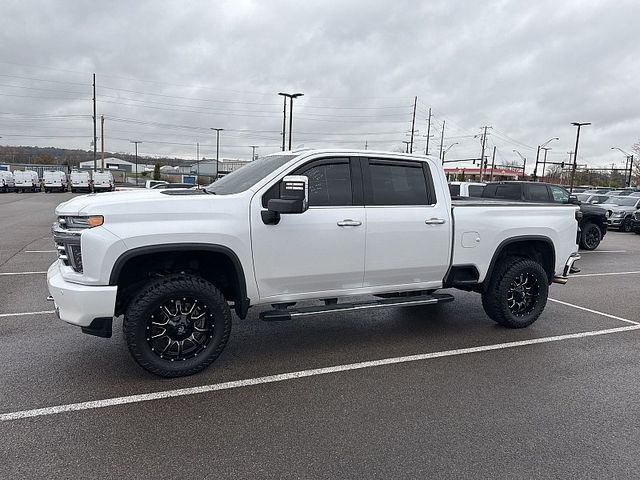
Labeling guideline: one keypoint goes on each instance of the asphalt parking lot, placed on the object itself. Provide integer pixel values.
(456, 395)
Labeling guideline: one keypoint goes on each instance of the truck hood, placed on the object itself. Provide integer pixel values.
(136, 202)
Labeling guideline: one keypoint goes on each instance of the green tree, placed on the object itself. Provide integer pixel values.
(156, 172)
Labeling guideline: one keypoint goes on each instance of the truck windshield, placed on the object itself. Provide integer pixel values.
(247, 176)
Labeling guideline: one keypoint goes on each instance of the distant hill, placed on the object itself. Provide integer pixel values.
(63, 156)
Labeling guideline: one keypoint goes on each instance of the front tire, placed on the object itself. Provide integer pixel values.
(626, 225)
(591, 236)
(177, 325)
(517, 293)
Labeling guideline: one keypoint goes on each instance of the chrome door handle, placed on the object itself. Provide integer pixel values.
(435, 221)
(349, 223)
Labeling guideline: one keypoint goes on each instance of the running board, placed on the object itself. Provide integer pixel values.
(290, 313)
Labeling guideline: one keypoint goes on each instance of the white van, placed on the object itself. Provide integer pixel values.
(7, 183)
(26, 181)
(54, 180)
(80, 181)
(466, 189)
(102, 181)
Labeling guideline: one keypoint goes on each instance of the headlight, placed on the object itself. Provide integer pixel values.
(618, 214)
(81, 222)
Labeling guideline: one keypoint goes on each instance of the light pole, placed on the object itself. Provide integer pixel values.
(524, 161)
(446, 150)
(290, 96)
(629, 161)
(535, 169)
(136, 142)
(253, 151)
(575, 152)
(544, 161)
(218, 130)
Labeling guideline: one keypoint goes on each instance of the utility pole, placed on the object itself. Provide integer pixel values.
(102, 142)
(426, 150)
(575, 152)
(253, 152)
(524, 161)
(535, 169)
(442, 141)
(493, 163)
(483, 143)
(366, 145)
(198, 164)
(290, 96)
(95, 133)
(136, 142)
(218, 130)
(413, 122)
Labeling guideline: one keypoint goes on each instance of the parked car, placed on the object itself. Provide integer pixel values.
(597, 191)
(466, 189)
(54, 181)
(621, 211)
(164, 186)
(26, 181)
(291, 227)
(635, 223)
(153, 183)
(591, 198)
(102, 181)
(592, 225)
(80, 181)
(7, 182)
(619, 193)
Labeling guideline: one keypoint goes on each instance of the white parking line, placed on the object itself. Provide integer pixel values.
(181, 392)
(22, 273)
(39, 251)
(22, 314)
(603, 274)
(608, 315)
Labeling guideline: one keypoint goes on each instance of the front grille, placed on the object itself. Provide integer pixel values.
(67, 245)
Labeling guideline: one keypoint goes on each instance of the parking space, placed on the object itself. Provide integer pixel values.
(455, 395)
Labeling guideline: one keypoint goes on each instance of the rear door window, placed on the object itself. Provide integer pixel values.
(475, 190)
(454, 190)
(394, 182)
(505, 191)
(538, 192)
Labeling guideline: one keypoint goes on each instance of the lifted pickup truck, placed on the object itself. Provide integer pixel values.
(321, 226)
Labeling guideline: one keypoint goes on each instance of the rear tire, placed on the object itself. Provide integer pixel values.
(626, 225)
(517, 292)
(591, 236)
(177, 325)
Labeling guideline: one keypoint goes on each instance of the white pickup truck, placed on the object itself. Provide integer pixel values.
(320, 226)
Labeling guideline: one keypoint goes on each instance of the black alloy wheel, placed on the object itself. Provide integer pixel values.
(522, 294)
(591, 236)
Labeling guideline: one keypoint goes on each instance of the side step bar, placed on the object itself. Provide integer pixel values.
(288, 314)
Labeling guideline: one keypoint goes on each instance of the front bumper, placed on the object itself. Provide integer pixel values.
(79, 304)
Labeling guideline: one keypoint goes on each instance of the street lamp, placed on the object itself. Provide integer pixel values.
(575, 152)
(544, 161)
(447, 149)
(217, 130)
(524, 160)
(290, 96)
(535, 169)
(136, 142)
(629, 162)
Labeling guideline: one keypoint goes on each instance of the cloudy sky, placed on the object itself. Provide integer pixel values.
(167, 72)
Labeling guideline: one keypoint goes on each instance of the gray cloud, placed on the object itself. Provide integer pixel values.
(526, 68)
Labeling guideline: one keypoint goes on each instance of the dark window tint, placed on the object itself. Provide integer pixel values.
(507, 191)
(538, 193)
(475, 190)
(454, 190)
(329, 185)
(397, 185)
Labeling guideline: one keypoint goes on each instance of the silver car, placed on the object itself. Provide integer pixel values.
(621, 210)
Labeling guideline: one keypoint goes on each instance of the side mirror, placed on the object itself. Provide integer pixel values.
(294, 198)
(573, 200)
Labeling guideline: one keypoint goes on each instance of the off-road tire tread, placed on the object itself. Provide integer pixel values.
(168, 285)
(493, 296)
